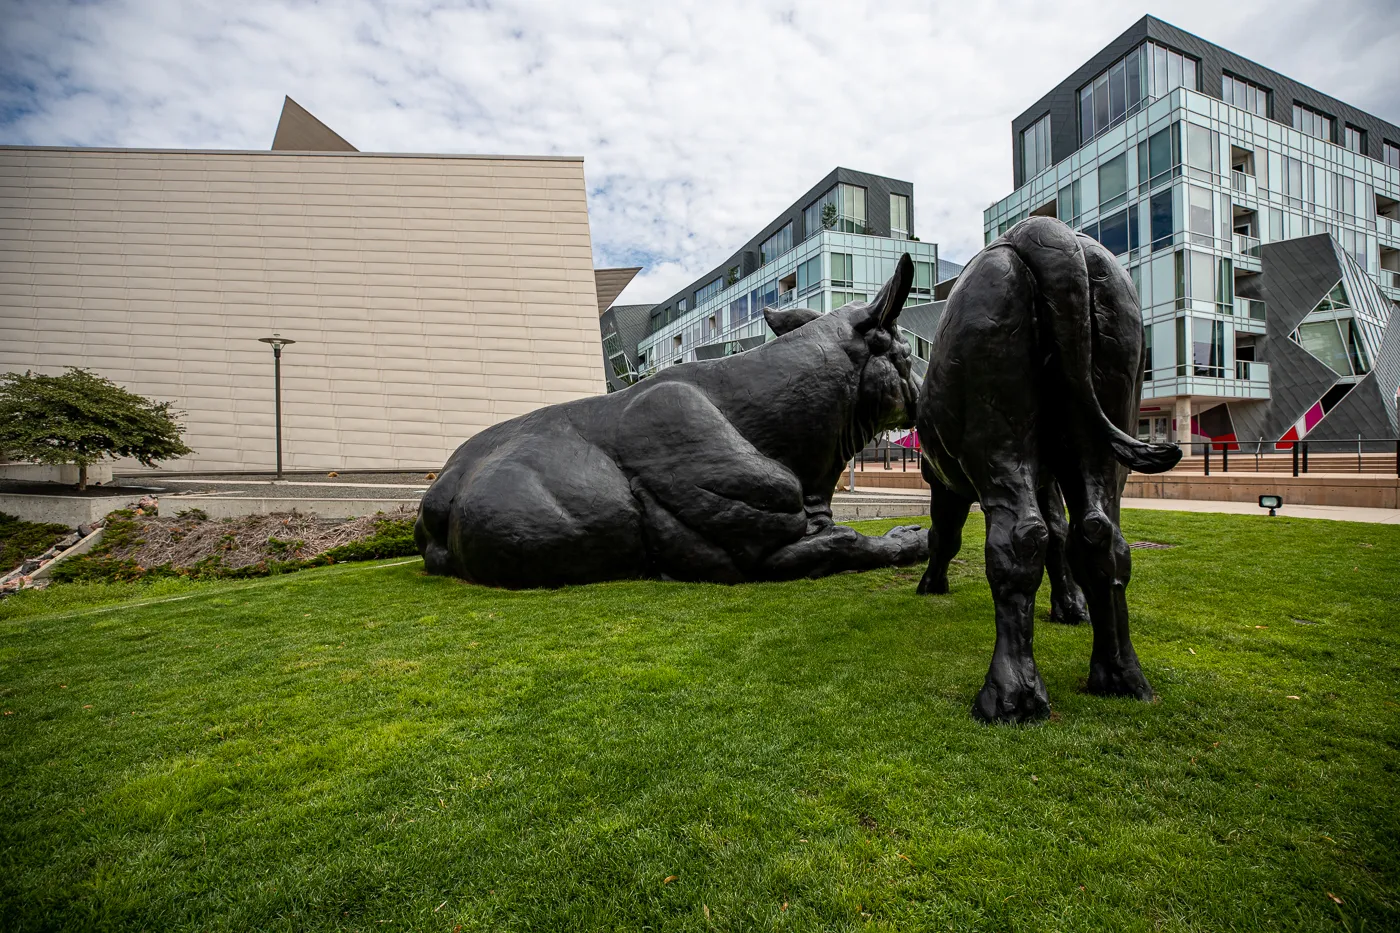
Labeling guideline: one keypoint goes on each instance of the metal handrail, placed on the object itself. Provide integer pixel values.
(1297, 451)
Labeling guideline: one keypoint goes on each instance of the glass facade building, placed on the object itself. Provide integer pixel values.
(823, 272)
(837, 244)
(1189, 189)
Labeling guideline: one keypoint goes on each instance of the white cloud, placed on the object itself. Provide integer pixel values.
(698, 122)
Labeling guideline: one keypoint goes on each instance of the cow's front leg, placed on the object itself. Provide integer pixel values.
(947, 516)
(839, 548)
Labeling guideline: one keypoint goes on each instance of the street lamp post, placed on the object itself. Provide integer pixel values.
(278, 342)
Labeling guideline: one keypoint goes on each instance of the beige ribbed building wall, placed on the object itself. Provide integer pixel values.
(430, 296)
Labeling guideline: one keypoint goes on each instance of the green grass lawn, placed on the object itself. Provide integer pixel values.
(366, 748)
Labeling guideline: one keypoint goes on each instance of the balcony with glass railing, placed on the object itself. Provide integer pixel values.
(1249, 307)
(1252, 371)
(1210, 382)
(1246, 245)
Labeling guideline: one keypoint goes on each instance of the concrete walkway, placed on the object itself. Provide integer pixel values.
(1338, 513)
(1334, 512)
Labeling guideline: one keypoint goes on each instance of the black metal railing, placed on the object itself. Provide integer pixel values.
(884, 454)
(1365, 454)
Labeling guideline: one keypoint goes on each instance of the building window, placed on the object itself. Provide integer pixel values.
(1317, 125)
(1354, 139)
(776, 245)
(841, 299)
(1113, 233)
(1159, 157)
(1163, 220)
(918, 345)
(682, 305)
(923, 280)
(1202, 152)
(899, 217)
(1144, 74)
(1391, 152)
(841, 208)
(1069, 204)
(1243, 94)
(617, 359)
(709, 291)
(843, 267)
(1201, 213)
(1208, 346)
(1113, 182)
(738, 311)
(1035, 148)
(809, 274)
(1331, 333)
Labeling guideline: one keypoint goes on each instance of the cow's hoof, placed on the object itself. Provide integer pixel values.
(1118, 681)
(933, 584)
(911, 543)
(1021, 699)
(1073, 614)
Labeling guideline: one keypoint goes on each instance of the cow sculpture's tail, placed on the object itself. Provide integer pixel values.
(1067, 288)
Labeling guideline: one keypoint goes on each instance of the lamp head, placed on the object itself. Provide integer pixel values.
(277, 341)
(1271, 503)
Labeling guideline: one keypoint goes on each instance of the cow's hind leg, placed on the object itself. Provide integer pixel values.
(947, 513)
(1103, 563)
(1066, 598)
(1016, 542)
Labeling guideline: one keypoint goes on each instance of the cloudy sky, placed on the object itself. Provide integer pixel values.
(698, 122)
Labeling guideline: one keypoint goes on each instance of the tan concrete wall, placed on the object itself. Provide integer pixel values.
(430, 296)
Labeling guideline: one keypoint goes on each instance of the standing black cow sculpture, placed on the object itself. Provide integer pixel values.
(1034, 382)
(720, 470)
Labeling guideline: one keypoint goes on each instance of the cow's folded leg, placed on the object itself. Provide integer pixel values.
(1066, 598)
(838, 548)
(679, 552)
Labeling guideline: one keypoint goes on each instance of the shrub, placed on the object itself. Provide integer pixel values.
(80, 417)
(20, 539)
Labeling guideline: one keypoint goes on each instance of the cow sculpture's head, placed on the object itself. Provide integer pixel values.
(887, 393)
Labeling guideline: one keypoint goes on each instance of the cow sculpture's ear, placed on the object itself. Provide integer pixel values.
(788, 319)
(884, 310)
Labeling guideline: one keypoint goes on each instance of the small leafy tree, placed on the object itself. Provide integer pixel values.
(828, 215)
(80, 417)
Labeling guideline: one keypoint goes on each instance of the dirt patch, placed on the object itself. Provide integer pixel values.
(192, 538)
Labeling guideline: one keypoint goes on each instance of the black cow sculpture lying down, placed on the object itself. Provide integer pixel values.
(720, 471)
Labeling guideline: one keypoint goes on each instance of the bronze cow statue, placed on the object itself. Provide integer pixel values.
(721, 470)
(1032, 388)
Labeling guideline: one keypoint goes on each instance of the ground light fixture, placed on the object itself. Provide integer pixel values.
(1272, 503)
(277, 341)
